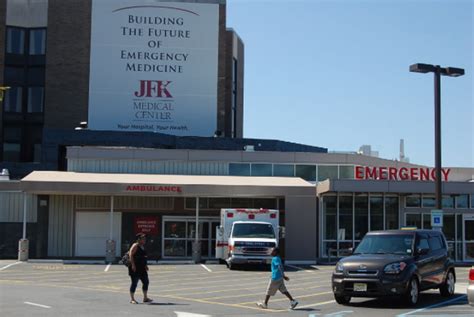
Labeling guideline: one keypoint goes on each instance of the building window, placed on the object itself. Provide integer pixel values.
(429, 202)
(218, 203)
(241, 203)
(37, 41)
(448, 202)
(361, 221)
(449, 227)
(472, 201)
(35, 99)
(462, 201)
(12, 134)
(376, 213)
(330, 220)
(36, 76)
(190, 203)
(306, 172)
(266, 203)
(37, 152)
(261, 169)
(14, 75)
(237, 169)
(327, 172)
(391, 213)
(11, 152)
(413, 220)
(427, 221)
(15, 40)
(413, 201)
(13, 99)
(283, 170)
(345, 218)
(346, 172)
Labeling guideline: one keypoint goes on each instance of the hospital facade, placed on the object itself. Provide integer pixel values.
(160, 86)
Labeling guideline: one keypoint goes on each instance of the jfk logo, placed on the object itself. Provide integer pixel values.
(154, 89)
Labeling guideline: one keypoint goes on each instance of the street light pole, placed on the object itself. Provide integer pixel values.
(437, 71)
(437, 111)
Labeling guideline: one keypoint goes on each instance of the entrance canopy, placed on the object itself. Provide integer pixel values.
(73, 183)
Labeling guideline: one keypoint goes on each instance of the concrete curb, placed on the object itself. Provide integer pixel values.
(45, 261)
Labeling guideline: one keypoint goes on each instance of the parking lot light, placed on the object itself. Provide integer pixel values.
(437, 71)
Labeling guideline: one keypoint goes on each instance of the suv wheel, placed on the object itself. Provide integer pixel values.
(341, 299)
(447, 289)
(413, 293)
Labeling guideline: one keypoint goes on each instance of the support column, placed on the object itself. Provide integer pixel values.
(197, 244)
(110, 243)
(23, 244)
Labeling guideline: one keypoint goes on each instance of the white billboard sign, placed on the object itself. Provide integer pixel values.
(153, 67)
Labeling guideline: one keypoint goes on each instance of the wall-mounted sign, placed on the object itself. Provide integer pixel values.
(154, 188)
(153, 67)
(147, 225)
(399, 173)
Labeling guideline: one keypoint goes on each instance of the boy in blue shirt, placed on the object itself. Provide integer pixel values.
(277, 281)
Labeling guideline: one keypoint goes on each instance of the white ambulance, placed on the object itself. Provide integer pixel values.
(247, 236)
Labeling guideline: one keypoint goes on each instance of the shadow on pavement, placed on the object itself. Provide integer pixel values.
(397, 303)
(166, 304)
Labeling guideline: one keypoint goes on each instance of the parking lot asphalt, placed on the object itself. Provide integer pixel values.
(56, 289)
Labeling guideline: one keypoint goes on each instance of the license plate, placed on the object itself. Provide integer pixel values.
(360, 287)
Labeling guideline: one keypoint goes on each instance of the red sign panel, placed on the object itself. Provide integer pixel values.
(147, 225)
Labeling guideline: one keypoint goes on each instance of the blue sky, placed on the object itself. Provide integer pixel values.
(335, 74)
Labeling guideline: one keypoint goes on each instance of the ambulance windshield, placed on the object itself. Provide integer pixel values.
(253, 230)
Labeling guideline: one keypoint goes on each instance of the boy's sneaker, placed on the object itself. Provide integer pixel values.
(293, 304)
(262, 305)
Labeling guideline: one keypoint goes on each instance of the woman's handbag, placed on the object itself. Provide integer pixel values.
(126, 259)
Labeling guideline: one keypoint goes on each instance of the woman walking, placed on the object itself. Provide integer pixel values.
(138, 269)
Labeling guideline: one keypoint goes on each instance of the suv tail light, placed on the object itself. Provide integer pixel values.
(471, 276)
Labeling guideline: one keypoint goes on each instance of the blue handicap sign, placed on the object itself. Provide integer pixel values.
(437, 218)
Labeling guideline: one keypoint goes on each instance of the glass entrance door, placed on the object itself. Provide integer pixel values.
(469, 238)
(180, 232)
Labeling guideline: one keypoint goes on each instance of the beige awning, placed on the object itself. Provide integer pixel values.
(54, 182)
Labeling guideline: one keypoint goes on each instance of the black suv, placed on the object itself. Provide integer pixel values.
(395, 262)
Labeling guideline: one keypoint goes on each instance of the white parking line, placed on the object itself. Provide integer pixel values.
(107, 267)
(206, 268)
(298, 268)
(7, 266)
(315, 304)
(340, 313)
(39, 305)
(185, 314)
(452, 300)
